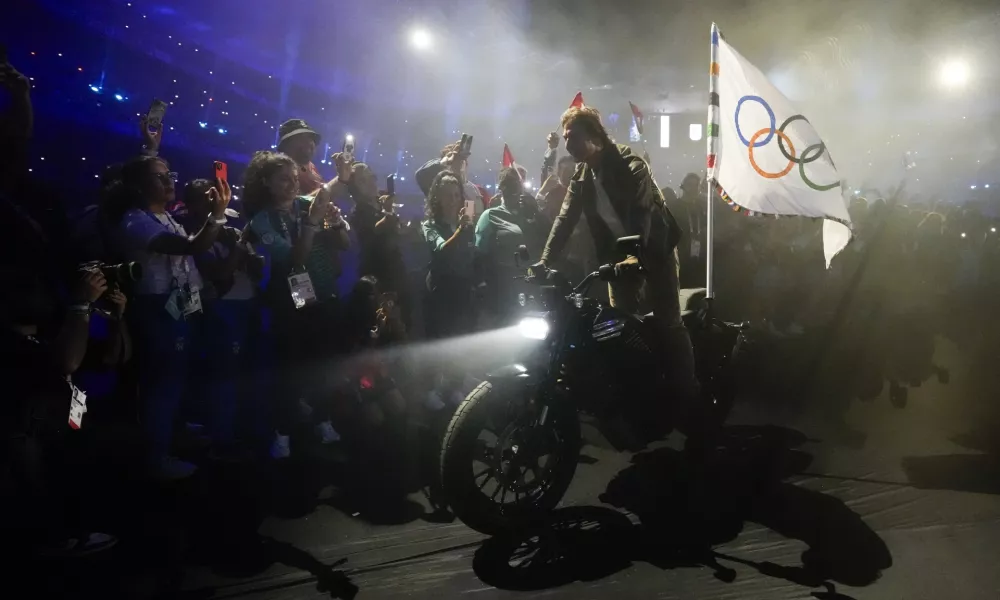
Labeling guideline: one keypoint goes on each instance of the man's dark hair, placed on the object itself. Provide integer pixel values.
(508, 178)
(194, 192)
(589, 118)
(125, 187)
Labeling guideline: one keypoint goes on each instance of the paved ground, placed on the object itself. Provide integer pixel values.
(887, 504)
(810, 500)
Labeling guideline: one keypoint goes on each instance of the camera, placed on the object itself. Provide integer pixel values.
(128, 272)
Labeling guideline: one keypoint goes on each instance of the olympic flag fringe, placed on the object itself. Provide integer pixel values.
(764, 157)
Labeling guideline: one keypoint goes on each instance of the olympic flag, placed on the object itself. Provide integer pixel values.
(765, 156)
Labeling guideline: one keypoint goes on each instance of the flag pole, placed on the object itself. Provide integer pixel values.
(712, 137)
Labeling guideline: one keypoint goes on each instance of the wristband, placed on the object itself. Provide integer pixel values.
(220, 220)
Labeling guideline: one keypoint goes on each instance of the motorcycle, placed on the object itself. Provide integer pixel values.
(595, 369)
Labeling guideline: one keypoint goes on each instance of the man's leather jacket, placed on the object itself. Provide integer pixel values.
(635, 198)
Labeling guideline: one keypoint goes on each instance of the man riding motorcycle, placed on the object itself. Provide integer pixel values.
(615, 190)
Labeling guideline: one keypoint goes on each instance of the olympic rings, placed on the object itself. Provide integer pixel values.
(770, 114)
(802, 168)
(818, 149)
(753, 163)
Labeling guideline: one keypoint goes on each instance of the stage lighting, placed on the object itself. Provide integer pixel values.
(421, 39)
(955, 73)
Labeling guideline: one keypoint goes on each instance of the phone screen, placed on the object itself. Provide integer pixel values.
(154, 118)
(222, 170)
(390, 184)
(470, 209)
(349, 147)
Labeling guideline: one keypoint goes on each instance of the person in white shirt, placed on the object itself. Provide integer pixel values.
(167, 300)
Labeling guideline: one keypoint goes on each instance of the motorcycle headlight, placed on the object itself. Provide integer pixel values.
(533, 328)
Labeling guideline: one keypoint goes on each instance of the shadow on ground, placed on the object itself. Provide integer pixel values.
(683, 512)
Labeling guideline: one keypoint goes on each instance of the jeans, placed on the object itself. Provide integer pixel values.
(228, 326)
(660, 289)
(162, 346)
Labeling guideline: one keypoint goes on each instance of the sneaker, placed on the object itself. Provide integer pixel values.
(81, 546)
(434, 402)
(327, 434)
(281, 447)
(172, 469)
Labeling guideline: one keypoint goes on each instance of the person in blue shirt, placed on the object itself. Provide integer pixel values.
(300, 236)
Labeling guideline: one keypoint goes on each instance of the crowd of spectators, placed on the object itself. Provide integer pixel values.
(177, 309)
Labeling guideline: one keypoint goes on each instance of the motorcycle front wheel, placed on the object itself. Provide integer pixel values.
(502, 468)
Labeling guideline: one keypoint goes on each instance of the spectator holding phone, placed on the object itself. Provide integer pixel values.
(378, 229)
(230, 269)
(450, 237)
(454, 158)
(297, 140)
(550, 195)
(167, 301)
(302, 291)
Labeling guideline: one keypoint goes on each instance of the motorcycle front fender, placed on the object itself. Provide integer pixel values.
(514, 377)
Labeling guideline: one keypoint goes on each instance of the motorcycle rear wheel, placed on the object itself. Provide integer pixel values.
(462, 481)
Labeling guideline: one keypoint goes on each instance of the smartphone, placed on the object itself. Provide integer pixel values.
(349, 147)
(390, 185)
(154, 118)
(470, 209)
(221, 170)
(465, 146)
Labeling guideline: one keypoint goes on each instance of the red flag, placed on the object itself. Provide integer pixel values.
(577, 100)
(637, 114)
(508, 158)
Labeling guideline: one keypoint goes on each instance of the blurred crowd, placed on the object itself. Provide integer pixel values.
(205, 316)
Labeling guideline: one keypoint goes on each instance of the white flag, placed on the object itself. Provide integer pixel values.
(765, 155)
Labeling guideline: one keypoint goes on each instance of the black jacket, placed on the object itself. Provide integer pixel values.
(634, 196)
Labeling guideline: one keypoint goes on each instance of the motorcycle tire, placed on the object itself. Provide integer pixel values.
(458, 482)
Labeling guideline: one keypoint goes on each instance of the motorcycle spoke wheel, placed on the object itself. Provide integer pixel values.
(502, 470)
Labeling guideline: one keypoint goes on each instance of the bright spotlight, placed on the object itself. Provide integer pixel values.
(955, 73)
(421, 39)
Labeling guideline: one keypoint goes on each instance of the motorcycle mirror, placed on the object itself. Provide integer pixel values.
(606, 272)
(630, 245)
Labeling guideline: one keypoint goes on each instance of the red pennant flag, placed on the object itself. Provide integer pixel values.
(577, 101)
(508, 158)
(637, 114)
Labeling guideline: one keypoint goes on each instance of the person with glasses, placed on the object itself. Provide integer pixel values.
(167, 301)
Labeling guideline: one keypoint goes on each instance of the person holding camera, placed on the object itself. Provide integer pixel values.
(302, 291)
(39, 354)
(167, 304)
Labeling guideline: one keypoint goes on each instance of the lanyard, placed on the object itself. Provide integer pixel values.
(296, 214)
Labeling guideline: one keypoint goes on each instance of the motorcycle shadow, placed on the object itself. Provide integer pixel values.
(683, 511)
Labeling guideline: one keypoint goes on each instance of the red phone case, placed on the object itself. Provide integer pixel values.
(222, 170)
